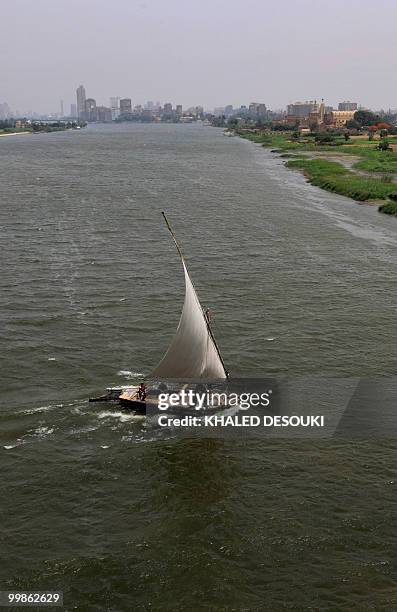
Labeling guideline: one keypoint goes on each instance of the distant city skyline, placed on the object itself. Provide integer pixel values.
(113, 102)
(86, 108)
(211, 53)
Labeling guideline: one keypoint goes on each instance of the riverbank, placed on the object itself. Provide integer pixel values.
(14, 128)
(369, 177)
(16, 133)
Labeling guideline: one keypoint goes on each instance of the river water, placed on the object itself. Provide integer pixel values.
(301, 282)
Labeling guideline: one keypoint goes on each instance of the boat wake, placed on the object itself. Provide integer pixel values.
(11, 446)
(123, 417)
(41, 409)
(42, 432)
(129, 374)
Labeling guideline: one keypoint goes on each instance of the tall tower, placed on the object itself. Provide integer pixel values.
(115, 107)
(91, 113)
(80, 92)
(321, 112)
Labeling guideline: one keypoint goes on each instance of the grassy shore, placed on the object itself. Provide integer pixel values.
(40, 127)
(369, 178)
(14, 132)
(332, 176)
(390, 208)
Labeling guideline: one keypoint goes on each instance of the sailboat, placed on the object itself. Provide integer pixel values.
(192, 357)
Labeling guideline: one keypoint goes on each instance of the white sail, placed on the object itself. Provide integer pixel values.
(192, 353)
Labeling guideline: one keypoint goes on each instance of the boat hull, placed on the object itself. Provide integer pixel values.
(135, 405)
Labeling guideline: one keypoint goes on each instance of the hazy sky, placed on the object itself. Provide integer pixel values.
(208, 52)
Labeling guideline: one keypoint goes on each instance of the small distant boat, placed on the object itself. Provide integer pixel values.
(193, 355)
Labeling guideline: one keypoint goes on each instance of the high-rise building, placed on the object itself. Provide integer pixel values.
(90, 113)
(125, 106)
(104, 114)
(73, 110)
(179, 109)
(168, 107)
(347, 106)
(115, 107)
(219, 111)
(302, 110)
(257, 109)
(81, 100)
(5, 111)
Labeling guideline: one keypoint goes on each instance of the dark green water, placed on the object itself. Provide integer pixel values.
(122, 516)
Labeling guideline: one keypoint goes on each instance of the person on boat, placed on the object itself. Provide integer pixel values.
(208, 315)
(141, 393)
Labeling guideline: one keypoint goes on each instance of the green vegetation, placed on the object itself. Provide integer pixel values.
(55, 126)
(325, 138)
(385, 163)
(365, 117)
(369, 176)
(14, 130)
(271, 139)
(390, 208)
(333, 177)
(12, 126)
(373, 159)
(384, 145)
